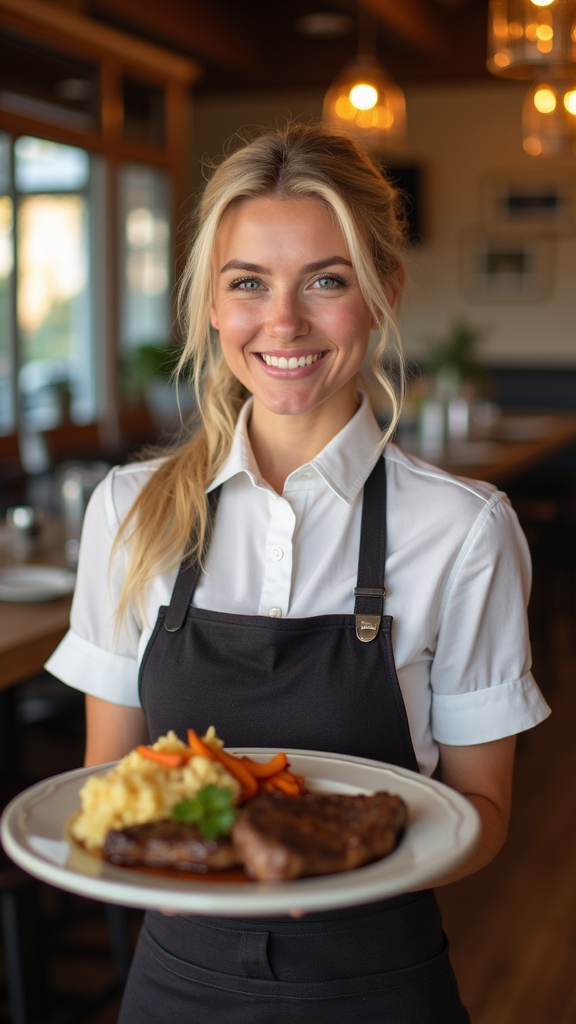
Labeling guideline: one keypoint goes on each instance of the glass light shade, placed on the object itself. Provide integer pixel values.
(527, 36)
(549, 117)
(365, 101)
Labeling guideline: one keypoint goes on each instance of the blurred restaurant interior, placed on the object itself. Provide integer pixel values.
(111, 113)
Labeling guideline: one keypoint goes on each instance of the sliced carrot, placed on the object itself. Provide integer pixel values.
(264, 771)
(301, 782)
(239, 771)
(285, 785)
(199, 747)
(162, 757)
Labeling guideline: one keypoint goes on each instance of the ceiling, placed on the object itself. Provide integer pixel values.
(258, 45)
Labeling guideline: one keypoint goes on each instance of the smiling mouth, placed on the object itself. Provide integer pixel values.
(290, 362)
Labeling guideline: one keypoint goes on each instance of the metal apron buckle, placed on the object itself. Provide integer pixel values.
(368, 626)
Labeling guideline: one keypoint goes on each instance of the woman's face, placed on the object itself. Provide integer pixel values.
(293, 323)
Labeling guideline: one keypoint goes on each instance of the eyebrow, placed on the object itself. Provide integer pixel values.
(255, 268)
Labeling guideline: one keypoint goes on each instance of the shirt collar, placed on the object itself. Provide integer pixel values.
(344, 464)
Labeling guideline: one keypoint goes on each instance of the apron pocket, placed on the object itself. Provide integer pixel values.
(423, 994)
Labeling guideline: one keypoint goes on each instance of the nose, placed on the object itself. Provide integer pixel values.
(285, 317)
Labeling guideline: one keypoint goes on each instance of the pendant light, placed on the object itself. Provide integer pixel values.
(527, 37)
(363, 99)
(549, 117)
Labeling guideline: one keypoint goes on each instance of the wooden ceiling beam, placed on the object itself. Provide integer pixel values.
(65, 23)
(193, 25)
(416, 21)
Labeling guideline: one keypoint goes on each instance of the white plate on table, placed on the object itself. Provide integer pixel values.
(442, 829)
(35, 582)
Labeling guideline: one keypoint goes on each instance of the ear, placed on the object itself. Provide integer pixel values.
(395, 287)
(214, 316)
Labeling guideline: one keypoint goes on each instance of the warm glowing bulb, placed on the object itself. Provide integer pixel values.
(500, 27)
(515, 30)
(364, 96)
(570, 101)
(573, 34)
(502, 59)
(531, 32)
(345, 109)
(545, 32)
(545, 100)
(383, 118)
(544, 45)
(542, 3)
(532, 145)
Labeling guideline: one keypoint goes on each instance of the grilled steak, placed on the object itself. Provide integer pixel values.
(279, 837)
(168, 844)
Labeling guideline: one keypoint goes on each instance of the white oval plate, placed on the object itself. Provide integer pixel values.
(442, 829)
(35, 582)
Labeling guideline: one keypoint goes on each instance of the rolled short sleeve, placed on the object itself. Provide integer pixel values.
(482, 687)
(95, 656)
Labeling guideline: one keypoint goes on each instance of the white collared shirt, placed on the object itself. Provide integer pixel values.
(457, 580)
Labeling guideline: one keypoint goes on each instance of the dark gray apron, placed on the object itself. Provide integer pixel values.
(323, 683)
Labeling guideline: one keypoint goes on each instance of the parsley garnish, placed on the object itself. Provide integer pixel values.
(211, 809)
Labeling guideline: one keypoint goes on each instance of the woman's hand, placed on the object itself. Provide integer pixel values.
(483, 774)
(112, 730)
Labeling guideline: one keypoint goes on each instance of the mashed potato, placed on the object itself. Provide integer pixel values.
(138, 790)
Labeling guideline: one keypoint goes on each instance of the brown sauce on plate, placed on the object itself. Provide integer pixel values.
(233, 875)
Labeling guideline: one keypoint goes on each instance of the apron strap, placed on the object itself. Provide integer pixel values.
(188, 576)
(369, 591)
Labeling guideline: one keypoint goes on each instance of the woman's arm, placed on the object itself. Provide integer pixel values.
(112, 730)
(483, 774)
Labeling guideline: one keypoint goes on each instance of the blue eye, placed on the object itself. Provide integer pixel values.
(329, 282)
(246, 284)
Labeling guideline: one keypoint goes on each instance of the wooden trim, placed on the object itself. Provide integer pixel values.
(138, 152)
(99, 39)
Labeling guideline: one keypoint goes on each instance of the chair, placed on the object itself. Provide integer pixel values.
(72, 441)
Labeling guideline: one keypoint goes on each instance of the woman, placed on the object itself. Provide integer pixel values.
(282, 499)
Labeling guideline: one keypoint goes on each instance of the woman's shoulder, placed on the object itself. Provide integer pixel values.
(115, 495)
(426, 499)
(427, 481)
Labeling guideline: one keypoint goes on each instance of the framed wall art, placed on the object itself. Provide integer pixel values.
(507, 266)
(530, 202)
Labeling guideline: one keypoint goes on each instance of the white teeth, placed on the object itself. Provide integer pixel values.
(289, 364)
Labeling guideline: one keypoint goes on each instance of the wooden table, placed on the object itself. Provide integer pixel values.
(30, 632)
(517, 443)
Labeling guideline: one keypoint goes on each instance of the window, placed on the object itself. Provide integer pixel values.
(92, 161)
(145, 247)
(7, 396)
(50, 222)
(46, 356)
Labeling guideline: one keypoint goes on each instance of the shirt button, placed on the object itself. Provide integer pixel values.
(275, 613)
(277, 554)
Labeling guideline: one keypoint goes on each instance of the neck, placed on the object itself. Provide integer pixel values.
(282, 443)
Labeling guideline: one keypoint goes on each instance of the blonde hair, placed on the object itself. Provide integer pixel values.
(169, 519)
